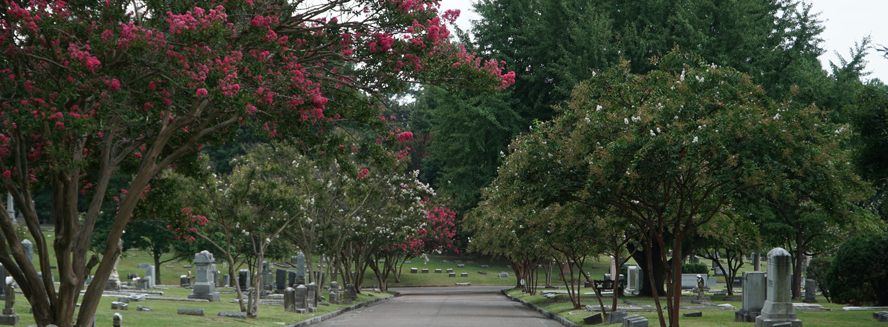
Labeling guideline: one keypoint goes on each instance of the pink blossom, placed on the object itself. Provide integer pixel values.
(402, 137)
(115, 84)
(8, 174)
(363, 173)
(201, 92)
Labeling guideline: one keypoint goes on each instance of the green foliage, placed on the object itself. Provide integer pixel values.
(818, 269)
(858, 274)
(554, 45)
(695, 268)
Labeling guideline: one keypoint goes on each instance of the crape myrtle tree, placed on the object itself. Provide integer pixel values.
(668, 150)
(729, 238)
(258, 198)
(432, 234)
(501, 231)
(94, 87)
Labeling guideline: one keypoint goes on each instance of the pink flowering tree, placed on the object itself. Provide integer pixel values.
(90, 88)
(433, 234)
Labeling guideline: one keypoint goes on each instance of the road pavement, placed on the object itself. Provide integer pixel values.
(466, 306)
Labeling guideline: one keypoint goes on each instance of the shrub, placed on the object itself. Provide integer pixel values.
(817, 270)
(695, 268)
(859, 272)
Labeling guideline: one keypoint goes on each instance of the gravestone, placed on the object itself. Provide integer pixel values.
(300, 269)
(437, 271)
(414, 270)
(290, 299)
(229, 314)
(778, 306)
(130, 276)
(593, 319)
(810, 291)
(144, 265)
(149, 276)
(216, 280)
(3, 279)
(425, 271)
(451, 275)
(243, 279)
(335, 295)
(117, 320)
(449, 270)
(204, 286)
(9, 317)
(485, 266)
(301, 300)
(184, 281)
(191, 311)
(267, 277)
(635, 321)
(615, 317)
(29, 249)
(754, 292)
(280, 282)
(464, 275)
(349, 295)
(503, 275)
(293, 259)
(226, 280)
(113, 283)
(613, 267)
(633, 279)
(757, 262)
(292, 279)
(311, 300)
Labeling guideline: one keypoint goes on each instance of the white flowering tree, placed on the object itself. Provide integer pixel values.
(251, 207)
(668, 151)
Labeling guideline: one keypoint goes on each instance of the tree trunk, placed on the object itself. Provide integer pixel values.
(656, 271)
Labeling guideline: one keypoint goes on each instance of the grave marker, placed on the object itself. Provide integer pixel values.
(778, 306)
(204, 286)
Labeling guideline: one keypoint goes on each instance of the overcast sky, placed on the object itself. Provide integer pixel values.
(845, 22)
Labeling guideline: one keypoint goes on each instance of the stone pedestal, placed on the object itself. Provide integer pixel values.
(778, 307)
(754, 292)
(204, 286)
(335, 294)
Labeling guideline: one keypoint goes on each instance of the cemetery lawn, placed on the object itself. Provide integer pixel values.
(836, 317)
(164, 313)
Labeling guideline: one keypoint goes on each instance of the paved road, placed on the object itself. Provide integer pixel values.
(482, 306)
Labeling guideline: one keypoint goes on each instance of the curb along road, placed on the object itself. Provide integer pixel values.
(314, 320)
(548, 314)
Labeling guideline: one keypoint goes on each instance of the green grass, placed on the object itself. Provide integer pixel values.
(164, 313)
(710, 317)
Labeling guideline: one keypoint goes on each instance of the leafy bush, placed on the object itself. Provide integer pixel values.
(859, 273)
(695, 268)
(817, 270)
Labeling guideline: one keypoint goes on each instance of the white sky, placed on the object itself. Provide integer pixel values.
(845, 22)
